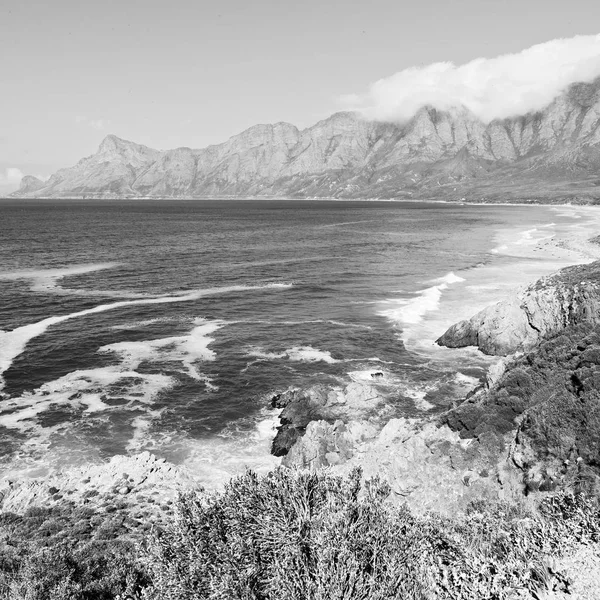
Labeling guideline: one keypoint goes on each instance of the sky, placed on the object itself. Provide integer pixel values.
(194, 72)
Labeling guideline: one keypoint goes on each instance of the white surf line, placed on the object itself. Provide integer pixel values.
(12, 343)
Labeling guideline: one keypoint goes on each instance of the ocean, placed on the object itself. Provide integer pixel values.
(169, 325)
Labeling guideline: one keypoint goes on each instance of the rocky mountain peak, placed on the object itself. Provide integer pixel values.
(550, 155)
(112, 143)
(29, 183)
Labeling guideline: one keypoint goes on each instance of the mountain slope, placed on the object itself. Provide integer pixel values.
(550, 155)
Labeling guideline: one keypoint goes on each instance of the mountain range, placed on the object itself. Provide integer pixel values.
(552, 155)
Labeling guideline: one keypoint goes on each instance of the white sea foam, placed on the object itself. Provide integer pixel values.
(50, 276)
(214, 461)
(466, 380)
(297, 353)
(12, 343)
(306, 322)
(88, 389)
(412, 310)
(145, 323)
(241, 445)
(91, 389)
(185, 349)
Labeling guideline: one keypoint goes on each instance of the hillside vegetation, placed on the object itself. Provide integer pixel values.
(296, 535)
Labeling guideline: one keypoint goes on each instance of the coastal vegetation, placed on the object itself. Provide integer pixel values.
(294, 534)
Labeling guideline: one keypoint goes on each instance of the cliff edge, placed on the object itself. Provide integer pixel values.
(519, 323)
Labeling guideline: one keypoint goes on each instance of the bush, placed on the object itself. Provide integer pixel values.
(56, 553)
(288, 535)
(314, 536)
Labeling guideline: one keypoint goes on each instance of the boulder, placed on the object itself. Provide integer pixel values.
(320, 403)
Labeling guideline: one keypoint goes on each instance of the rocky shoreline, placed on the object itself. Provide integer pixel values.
(487, 446)
(543, 309)
(530, 427)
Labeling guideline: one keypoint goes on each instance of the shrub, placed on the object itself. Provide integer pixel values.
(314, 536)
(289, 535)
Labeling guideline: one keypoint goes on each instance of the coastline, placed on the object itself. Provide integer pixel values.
(461, 202)
(568, 246)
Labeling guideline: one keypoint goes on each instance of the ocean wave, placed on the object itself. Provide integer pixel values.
(304, 322)
(516, 241)
(147, 322)
(412, 310)
(242, 444)
(119, 387)
(13, 343)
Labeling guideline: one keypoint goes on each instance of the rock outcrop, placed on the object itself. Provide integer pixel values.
(548, 403)
(569, 297)
(535, 429)
(142, 481)
(549, 155)
(429, 467)
(320, 403)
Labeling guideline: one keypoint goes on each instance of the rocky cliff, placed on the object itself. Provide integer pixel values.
(533, 426)
(569, 297)
(549, 155)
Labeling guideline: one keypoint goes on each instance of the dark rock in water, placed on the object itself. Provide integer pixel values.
(569, 297)
(377, 375)
(319, 403)
(299, 409)
(287, 436)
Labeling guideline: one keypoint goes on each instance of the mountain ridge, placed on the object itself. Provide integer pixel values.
(544, 156)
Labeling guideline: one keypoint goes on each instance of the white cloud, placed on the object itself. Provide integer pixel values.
(11, 176)
(508, 85)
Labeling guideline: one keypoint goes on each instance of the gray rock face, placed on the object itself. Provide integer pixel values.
(30, 184)
(449, 155)
(320, 403)
(428, 467)
(570, 297)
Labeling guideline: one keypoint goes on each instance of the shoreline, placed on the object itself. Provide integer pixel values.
(290, 199)
(559, 248)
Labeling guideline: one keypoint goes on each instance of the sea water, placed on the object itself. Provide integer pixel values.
(168, 325)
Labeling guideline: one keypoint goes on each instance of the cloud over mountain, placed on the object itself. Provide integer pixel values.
(11, 176)
(492, 88)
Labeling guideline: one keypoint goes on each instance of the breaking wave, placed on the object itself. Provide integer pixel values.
(412, 310)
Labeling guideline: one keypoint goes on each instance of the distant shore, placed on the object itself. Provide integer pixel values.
(538, 203)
